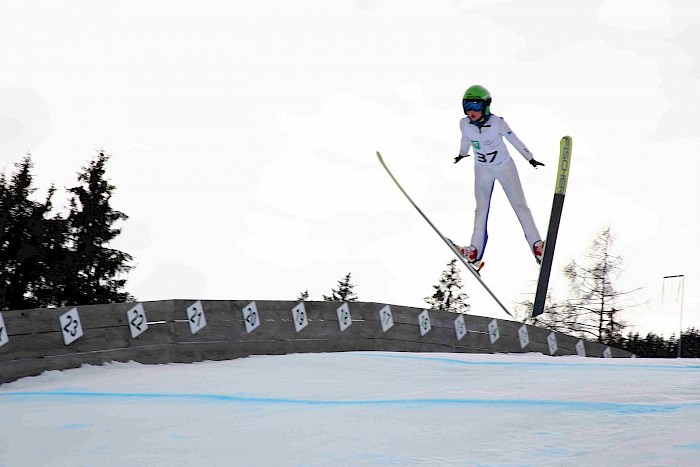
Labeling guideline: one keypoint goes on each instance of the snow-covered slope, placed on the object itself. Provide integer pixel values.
(359, 408)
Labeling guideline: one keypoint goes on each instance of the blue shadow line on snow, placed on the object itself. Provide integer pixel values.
(75, 426)
(576, 406)
(693, 446)
(598, 364)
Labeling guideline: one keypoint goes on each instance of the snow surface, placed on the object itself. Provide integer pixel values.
(355, 409)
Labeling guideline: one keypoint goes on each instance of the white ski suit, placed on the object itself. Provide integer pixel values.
(493, 162)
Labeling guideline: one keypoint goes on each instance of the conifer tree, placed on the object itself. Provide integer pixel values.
(448, 293)
(94, 269)
(48, 287)
(344, 292)
(23, 231)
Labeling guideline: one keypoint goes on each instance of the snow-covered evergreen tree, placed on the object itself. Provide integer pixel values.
(448, 293)
(344, 293)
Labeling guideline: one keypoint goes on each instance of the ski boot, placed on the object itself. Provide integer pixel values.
(469, 253)
(538, 250)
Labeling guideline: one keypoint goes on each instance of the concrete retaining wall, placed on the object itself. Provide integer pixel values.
(33, 341)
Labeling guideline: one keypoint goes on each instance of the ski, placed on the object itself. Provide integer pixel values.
(447, 241)
(553, 229)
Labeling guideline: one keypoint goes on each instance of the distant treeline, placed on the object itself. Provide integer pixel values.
(653, 346)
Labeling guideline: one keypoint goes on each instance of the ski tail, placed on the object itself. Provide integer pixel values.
(565, 147)
(444, 239)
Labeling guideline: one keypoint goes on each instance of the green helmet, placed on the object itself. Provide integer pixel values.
(477, 93)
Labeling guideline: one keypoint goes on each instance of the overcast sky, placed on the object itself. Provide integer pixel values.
(243, 137)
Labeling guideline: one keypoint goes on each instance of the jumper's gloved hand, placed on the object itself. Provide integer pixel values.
(460, 157)
(535, 163)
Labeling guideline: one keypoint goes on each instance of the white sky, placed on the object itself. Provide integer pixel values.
(243, 137)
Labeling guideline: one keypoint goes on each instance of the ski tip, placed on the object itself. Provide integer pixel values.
(379, 155)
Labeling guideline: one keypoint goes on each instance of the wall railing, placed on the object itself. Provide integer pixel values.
(37, 340)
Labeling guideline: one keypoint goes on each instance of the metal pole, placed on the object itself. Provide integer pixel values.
(680, 321)
(680, 335)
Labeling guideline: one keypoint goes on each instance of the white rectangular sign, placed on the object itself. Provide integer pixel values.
(424, 322)
(552, 343)
(344, 319)
(251, 318)
(70, 326)
(3, 332)
(524, 336)
(299, 317)
(386, 318)
(195, 316)
(136, 317)
(494, 334)
(460, 327)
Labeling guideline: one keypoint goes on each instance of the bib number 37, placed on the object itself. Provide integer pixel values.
(488, 157)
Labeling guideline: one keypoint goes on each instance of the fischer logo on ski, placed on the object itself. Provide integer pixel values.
(564, 160)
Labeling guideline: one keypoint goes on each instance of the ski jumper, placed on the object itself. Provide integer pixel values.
(493, 162)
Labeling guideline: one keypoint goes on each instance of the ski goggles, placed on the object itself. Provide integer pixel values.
(477, 106)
